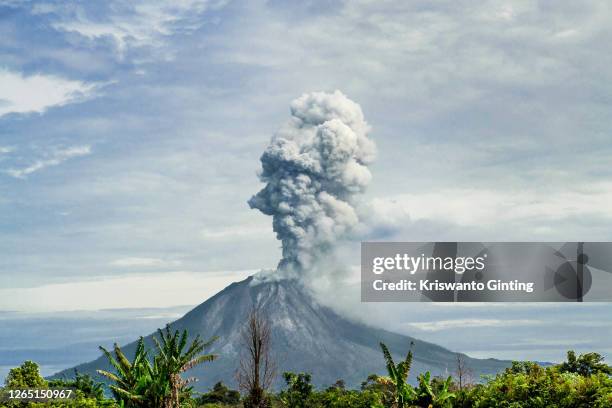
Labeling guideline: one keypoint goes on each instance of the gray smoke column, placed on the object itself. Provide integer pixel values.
(314, 167)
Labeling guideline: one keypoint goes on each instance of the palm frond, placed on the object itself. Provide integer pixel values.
(109, 375)
(111, 359)
(197, 361)
(121, 358)
(389, 361)
(125, 393)
(183, 341)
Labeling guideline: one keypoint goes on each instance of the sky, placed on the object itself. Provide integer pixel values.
(130, 133)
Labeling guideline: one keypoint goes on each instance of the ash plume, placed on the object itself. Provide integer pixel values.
(314, 167)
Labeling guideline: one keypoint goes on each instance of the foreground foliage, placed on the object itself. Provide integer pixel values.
(220, 395)
(88, 394)
(580, 382)
(397, 381)
(528, 385)
(154, 381)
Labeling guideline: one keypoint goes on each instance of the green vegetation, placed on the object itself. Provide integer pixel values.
(220, 395)
(25, 376)
(87, 393)
(529, 385)
(84, 383)
(299, 390)
(403, 394)
(155, 381)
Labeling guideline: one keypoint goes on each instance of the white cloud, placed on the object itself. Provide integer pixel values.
(169, 316)
(6, 149)
(55, 158)
(157, 290)
(139, 23)
(537, 342)
(143, 262)
(470, 323)
(233, 232)
(536, 210)
(37, 93)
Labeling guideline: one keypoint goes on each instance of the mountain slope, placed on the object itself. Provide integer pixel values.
(307, 337)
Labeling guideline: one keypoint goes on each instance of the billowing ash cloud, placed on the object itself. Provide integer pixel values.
(313, 168)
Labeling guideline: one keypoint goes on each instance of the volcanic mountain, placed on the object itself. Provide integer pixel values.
(307, 337)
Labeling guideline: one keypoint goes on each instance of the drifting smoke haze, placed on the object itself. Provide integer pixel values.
(314, 167)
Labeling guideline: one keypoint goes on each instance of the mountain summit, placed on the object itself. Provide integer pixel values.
(307, 337)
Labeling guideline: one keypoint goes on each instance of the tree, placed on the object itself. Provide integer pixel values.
(25, 376)
(87, 393)
(585, 364)
(404, 394)
(337, 396)
(379, 386)
(434, 394)
(134, 381)
(299, 389)
(220, 394)
(156, 382)
(340, 384)
(257, 368)
(83, 383)
(173, 359)
(529, 385)
(463, 373)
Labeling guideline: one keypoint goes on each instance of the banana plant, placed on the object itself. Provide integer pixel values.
(174, 357)
(156, 382)
(404, 394)
(434, 397)
(133, 380)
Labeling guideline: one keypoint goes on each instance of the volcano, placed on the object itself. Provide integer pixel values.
(307, 337)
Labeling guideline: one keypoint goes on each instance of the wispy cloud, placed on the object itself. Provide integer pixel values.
(538, 212)
(457, 204)
(539, 342)
(134, 262)
(37, 93)
(138, 23)
(234, 232)
(55, 158)
(471, 323)
(159, 290)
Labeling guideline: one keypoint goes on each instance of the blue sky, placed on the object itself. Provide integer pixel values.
(130, 133)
